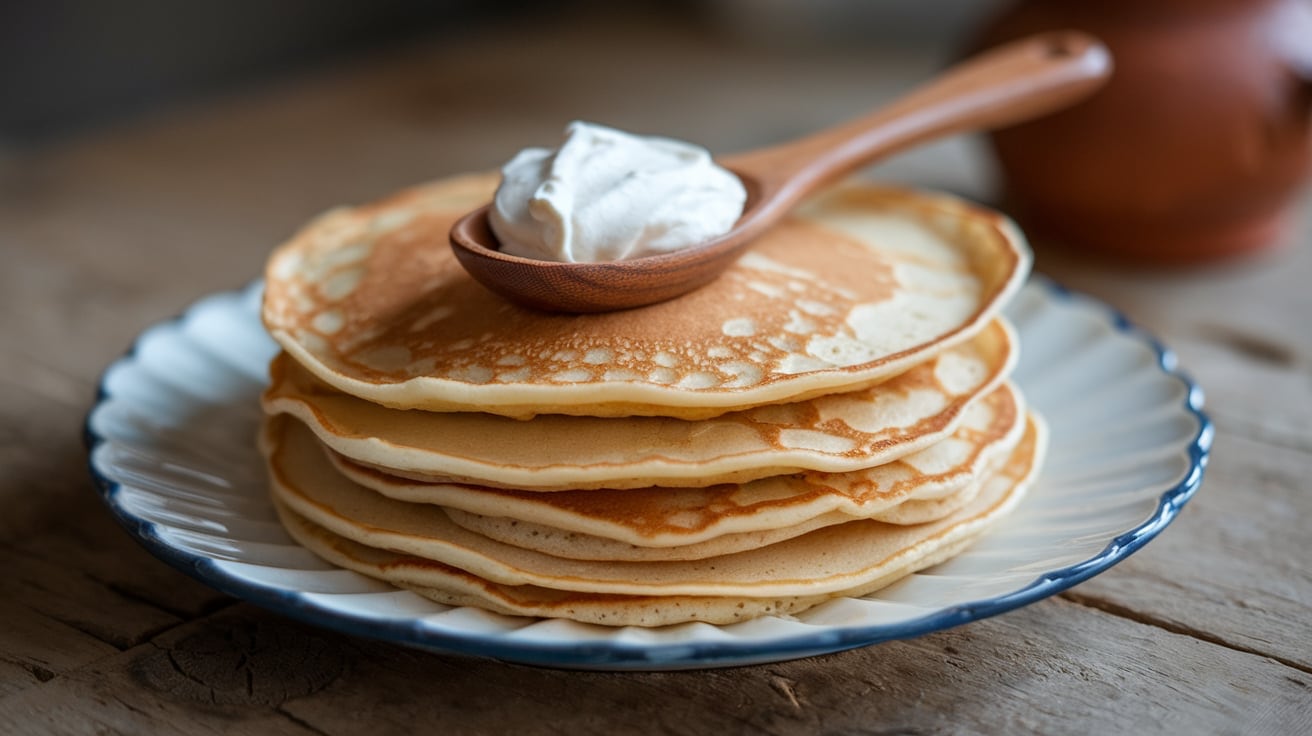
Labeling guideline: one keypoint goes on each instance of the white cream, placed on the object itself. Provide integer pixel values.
(607, 195)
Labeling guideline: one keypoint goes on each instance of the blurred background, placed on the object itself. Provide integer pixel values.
(168, 146)
(71, 65)
(253, 115)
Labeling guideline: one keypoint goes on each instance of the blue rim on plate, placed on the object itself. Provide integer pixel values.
(692, 654)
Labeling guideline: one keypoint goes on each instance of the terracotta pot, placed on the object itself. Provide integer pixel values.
(1195, 148)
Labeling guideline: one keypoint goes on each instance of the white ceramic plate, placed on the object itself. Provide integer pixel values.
(172, 450)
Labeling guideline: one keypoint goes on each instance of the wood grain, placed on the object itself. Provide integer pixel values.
(36, 648)
(1057, 667)
(1232, 569)
(1204, 630)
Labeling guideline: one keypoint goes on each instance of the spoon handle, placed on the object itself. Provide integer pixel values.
(1006, 85)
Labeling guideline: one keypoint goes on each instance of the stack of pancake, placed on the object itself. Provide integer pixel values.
(831, 414)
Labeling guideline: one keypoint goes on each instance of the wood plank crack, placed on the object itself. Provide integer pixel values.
(1251, 346)
(282, 711)
(1120, 611)
(102, 601)
(218, 604)
(787, 688)
(38, 673)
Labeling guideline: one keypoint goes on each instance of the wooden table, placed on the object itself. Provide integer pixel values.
(1208, 629)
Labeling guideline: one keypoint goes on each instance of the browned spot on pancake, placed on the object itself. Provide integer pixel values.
(416, 297)
(1003, 405)
(407, 269)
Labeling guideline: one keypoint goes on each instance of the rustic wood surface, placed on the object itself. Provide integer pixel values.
(1206, 630)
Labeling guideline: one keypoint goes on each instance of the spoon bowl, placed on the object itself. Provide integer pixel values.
(1003, 86)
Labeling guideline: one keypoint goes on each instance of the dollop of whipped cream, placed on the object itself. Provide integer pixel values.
(607, 195)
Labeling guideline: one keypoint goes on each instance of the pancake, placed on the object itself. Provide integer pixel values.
(920, 487)
(837, 433)
(576, 546)
(826, 561)
(859, 285)
(455, 587)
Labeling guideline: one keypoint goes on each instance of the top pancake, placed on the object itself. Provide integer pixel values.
(859, 285)
(835, 433)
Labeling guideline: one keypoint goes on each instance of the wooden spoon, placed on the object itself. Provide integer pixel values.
(1006, 85)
